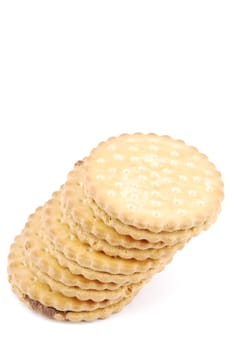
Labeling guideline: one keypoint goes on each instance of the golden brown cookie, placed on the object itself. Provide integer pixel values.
(30, 284)
(153, 182)
(81, 210)
(169, 238)
(42, 253)
(131, 253)
(77, 292)
(72, 316)
(61, 236)
(77, 210)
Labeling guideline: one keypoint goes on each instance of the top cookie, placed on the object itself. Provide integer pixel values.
(153, 182)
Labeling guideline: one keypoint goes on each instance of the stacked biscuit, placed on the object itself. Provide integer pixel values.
(120, 217)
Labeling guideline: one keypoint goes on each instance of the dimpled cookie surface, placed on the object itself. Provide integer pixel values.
(153, 182)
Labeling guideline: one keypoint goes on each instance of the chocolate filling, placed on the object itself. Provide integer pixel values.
(79, 162)
(45, 310)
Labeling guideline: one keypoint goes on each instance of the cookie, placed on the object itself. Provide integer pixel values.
(60, 234)
(131, 253)
(102, 245)
(47, 264)
(153, 182)
(22, 277)
(76, 210)
(77, 292)
(93, 219)
(169, 238)
(70, 291)
(72, 316)
(44, 255)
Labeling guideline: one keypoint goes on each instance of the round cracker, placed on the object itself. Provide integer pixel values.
(71, 315)
(61, 236)
(153, 182)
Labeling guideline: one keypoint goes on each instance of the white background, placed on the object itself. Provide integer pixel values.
(73, 73)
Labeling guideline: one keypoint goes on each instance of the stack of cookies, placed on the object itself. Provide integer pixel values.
(122, 214)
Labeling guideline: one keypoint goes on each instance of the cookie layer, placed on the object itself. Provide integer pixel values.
(60, 234)
(77, 210)
(71, 315)
(153, 182)
(42, 253)
(29, 284)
